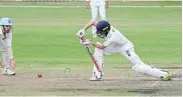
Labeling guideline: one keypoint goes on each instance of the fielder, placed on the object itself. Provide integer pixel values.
(116, 43)
(97, 6)
(6, 46)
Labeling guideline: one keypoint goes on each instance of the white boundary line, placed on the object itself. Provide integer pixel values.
(9, 6)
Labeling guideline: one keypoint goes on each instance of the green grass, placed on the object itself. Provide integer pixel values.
(126, 3)
(46, 37)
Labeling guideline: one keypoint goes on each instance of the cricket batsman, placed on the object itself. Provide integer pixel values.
(97, 6)
(6, 46)
(116, 43)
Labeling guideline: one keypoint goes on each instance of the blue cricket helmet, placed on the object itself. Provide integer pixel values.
(103, 27)
(6, 21)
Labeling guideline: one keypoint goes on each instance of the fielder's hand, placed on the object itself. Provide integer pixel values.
(87, 4)
(2, 64)
(13, 63)
(80, 34)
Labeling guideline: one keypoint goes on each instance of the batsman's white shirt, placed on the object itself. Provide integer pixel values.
(115, 42)
(97, 2)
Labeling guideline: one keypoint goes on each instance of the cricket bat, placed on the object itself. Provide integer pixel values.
(92, 56)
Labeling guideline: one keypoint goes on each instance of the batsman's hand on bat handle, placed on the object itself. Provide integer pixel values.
(86, 42)
(13, 63)
(80, 33)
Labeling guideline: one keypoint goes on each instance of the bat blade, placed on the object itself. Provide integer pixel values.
(91, 55)
(93, 58)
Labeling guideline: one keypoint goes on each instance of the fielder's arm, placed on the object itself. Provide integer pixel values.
(106, 3)
(87, 3)
(9, 45)
(10, 53)
(2, 64)
(10, 50)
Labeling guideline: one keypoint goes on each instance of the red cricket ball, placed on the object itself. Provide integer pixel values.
(39, 75)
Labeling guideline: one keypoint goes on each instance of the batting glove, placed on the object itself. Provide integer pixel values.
(80, 33)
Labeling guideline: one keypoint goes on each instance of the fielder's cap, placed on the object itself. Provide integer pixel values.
(6, 21)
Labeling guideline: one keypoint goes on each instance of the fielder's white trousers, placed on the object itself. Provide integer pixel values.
(94, 11)
(6, 59)
(128, 51)
(5, 56)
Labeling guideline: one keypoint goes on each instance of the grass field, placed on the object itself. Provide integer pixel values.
(44, 40)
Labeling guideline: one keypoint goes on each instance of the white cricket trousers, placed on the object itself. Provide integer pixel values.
(128, 51)
(94, 11)
(6, 59)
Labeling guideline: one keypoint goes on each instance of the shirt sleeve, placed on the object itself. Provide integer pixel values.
(108, 42)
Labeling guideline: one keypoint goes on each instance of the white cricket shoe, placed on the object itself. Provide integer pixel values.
(7, 71)
(166, 77)
(96, 77)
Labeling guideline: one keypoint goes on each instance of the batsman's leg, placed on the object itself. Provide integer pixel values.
(139, 66)
(99, 55)
(148, 70)
(94, 12)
